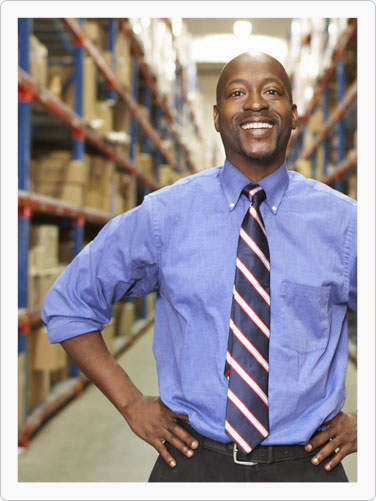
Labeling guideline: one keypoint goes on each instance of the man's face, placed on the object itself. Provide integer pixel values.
(254, 114)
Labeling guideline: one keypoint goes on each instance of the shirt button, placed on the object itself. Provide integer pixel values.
(274, 209)
(232, 205)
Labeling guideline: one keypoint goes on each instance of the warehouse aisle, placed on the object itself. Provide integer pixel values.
(88, 440)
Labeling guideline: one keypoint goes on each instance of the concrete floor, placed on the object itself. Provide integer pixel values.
(88, 440)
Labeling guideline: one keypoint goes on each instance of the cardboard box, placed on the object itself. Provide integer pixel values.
(108, 334)
(65, 252)
(124, 319)
(44, 234)
(54, 169)
(43, 247)
(46, 356)
(42, 257)
(39, 283)
(352, 186)
(21, 389)
(69, 192)
(165, 175)
(304, 167)
(121, 117)
(58, 76)
(150, 303)
(93, 31)
(38, 60)
(96, 200)
(100, 168)
(39, 383)
(144, 162)
(104, 113)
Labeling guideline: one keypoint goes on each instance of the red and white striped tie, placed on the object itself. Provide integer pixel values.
(247, 361)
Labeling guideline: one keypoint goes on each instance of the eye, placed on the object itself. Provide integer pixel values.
(273, 92)
(236, 93)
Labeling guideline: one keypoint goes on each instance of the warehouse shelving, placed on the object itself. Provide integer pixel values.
(81, 130)
(345, 100)
(335, 112)
(68, 37)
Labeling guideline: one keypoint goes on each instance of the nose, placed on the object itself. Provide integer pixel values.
(255, 101)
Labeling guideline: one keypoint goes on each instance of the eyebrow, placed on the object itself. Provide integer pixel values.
(266, 80)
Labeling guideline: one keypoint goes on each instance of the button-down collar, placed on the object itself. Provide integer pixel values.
(274, 185)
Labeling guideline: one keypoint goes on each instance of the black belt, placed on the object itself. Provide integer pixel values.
(261, 454)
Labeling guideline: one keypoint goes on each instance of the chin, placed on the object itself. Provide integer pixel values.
(260, 155)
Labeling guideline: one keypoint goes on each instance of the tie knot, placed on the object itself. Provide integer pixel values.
(255, 193)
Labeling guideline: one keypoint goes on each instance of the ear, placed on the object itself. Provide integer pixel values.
(216, 117)
(295, 117)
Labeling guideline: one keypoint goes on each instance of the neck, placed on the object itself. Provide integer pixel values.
(255, 170)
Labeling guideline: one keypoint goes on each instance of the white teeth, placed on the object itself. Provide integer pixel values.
(257, 125)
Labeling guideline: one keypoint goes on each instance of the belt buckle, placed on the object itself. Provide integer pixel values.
(237, 461)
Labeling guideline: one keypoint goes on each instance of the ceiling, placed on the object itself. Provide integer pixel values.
(214, 42)
(276, 27)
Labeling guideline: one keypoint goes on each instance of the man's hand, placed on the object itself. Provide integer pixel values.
(152, 421)
(341, 434)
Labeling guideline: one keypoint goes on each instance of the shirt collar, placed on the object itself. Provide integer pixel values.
(274, 185)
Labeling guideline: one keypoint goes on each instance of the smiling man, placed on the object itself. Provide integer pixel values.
(254, 114)
(254, 268)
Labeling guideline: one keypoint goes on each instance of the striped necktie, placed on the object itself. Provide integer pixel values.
(247, 360)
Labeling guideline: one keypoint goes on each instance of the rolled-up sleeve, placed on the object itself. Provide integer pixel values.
(120, 261)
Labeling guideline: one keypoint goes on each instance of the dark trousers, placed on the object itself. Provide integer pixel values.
(210, 466)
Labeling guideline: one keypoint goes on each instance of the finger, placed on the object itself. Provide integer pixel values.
(178, 444)
(183, 417)
(161, 448)
(320, 439)
(336, 459)
(184, 436)
(324, 452)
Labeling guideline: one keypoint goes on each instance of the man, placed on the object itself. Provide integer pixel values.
(183, 243)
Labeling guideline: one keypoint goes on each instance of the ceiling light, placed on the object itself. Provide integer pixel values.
(242, 28)
(145, 21)
(177, 24)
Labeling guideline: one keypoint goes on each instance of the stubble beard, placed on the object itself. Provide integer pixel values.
(263, 154)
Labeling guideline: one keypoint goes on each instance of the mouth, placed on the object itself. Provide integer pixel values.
(256, 125)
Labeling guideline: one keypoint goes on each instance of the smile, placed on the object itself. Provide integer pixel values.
(257, 125)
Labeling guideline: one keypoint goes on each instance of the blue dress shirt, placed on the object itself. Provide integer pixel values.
(182, 242)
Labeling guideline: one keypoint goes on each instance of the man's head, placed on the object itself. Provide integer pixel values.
(254, 113)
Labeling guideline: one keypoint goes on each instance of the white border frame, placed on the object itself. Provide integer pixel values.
(365, 12)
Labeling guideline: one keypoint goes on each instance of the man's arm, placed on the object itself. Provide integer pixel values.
(340, 433)
(148, 417)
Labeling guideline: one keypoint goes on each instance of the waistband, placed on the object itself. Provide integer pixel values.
(260, 454)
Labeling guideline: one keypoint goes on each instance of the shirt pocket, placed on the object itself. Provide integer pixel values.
(305, 316)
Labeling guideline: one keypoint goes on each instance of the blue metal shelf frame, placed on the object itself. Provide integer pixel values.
(337, 69)
(24, 145)
(24, 151)
(112, 32)
(158, 154)
(24, 108)
(325, 143)
(341, 88)
(146, 143)
(78, 152)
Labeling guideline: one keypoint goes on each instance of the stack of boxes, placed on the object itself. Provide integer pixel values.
(43, 359)
(38, 61)
(97, 191)
(55, 174)
(60, 82)
(43, 267)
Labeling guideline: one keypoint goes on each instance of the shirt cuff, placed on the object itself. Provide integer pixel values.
(61, 328)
